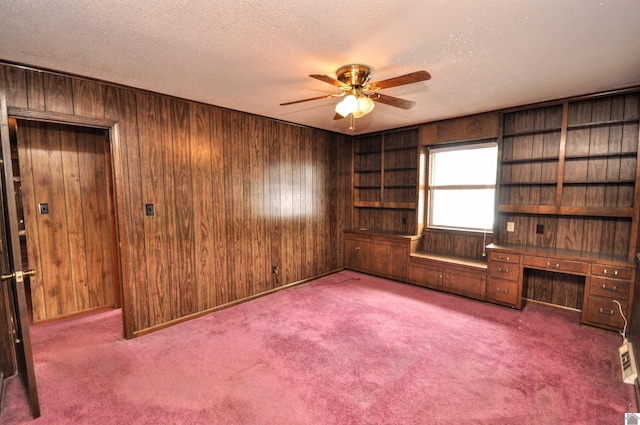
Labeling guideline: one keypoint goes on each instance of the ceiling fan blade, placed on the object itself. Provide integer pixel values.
(393, 101)
(329, 80)
(413, 77)
(326, 96)
(337, 116)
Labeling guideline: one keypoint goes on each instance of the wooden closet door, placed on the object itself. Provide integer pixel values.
(67, 218)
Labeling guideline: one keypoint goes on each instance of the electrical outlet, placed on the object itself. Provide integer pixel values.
(44, 208)
(149, 209)
(539, 229)
(511, 226)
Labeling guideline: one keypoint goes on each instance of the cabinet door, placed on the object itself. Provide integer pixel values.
(357, 254)
(391, 260)
(466, 282)
(426, 275)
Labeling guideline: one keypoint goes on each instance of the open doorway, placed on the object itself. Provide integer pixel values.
(66, 213)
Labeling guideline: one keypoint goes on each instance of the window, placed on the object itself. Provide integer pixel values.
(462, 186)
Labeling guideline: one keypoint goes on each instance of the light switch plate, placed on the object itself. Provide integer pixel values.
(511, 226)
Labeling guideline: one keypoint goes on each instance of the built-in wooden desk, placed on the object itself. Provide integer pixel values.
(607, 279)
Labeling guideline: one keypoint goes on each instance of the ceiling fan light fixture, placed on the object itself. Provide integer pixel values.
(347, 106)
(365, 104)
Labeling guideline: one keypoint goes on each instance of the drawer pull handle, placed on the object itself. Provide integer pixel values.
(504, 258)
(615, 272)
(609, 312)
(357, 248)
(604, 286)
(501, 270)
(556, 265)
(503, 291)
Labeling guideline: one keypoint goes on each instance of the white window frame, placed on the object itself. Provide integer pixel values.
(432, 188)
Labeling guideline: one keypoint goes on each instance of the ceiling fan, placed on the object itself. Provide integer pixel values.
(359, 95)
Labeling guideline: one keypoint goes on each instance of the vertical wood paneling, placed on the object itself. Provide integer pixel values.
(233, 195)
(35, 90)
(30, 210)
(183, 187)
(58, 93)
(218, 196)
(120, 105)
(64, 166)
(257, 173)
(95, 210)
(58, 298)
(153, 294)
(74, 205)
(88, 98)
(174, 277)
(274, 226)
(203, 210)
(13, 81)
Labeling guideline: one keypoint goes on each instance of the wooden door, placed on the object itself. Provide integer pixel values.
(68, 218)
(13, 299)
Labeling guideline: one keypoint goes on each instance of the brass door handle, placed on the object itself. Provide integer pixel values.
(19, 275)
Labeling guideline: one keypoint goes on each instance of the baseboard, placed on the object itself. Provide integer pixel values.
(1, 389)
(553, 306)
(227, 305)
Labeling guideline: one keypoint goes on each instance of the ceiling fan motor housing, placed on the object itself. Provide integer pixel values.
(356, 76)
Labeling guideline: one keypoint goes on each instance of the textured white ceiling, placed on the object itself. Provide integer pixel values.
(253, 55)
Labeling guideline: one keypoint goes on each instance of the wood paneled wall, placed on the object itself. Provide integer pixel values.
(70, 245)
(234, 194)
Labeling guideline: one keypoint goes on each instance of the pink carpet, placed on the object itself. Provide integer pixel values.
(345, 349)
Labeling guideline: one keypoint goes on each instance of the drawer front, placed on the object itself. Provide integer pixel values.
(557, 265)
(609, 288)
(604, 311)
(500, 270)
(502, 292)
(504, 256)
(430, 277)
(611, 271)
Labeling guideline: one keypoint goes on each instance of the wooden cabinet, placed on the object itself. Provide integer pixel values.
(607, 282)
(504, 285)
(455, 275)
(358, 253)
(426, 273)
(385, 181)
(609, 285)
(465, 281)
(380, 253)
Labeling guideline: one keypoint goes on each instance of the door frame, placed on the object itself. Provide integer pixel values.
(122, 233)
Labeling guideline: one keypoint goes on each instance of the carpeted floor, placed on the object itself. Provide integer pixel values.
(345, 349)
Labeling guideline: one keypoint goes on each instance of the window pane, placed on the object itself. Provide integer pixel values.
(475, 165)
(469, 208)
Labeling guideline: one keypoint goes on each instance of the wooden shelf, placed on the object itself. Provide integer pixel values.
(530, 160)
(567, 210)
(549, 183)
(601, 123)
(385, 205)
(531, 132)
(600, 155)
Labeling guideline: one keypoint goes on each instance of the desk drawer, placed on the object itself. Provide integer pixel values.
(611, 271)
(604, 311)
(554, 264)
(609, 288)
(500, 270)
(502, 292)
(504, 256)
